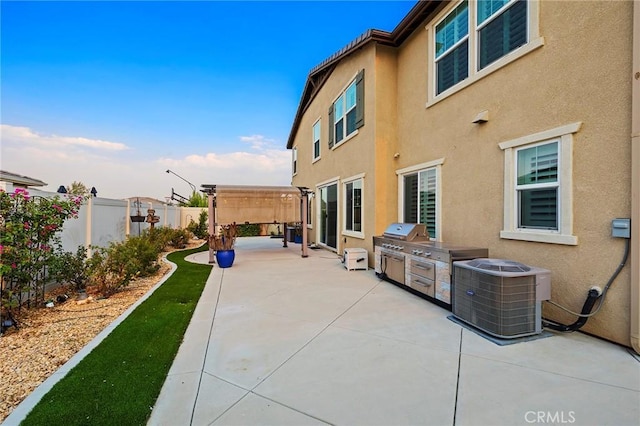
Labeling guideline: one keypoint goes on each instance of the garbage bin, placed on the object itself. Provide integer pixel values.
(291, 233)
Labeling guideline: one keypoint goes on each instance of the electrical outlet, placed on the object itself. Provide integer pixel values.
(621, 228)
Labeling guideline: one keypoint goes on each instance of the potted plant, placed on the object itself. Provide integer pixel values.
(224, 244)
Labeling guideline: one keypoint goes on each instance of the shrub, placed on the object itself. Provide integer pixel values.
(159, 237)
(200, 229)
(249, 230)
(179, 238)
(144, 254)
(115, 266)
(71, 268)
(165, 236)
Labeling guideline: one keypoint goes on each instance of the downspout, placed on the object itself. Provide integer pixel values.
(635, 183)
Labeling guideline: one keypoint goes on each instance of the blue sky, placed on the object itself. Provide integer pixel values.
(113, 93)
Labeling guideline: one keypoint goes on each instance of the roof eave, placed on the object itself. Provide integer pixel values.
(418, 14)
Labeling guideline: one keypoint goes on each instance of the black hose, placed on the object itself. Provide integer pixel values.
(593, 296)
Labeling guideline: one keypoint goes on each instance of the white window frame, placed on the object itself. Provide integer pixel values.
(318, 210)
(343, 94)
(564, 234)
(294, 161)
(345, 182)
(310, 209)
(401, 173)
(534, 42)
(317, 125)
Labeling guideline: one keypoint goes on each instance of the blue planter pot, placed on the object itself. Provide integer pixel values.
(225, 258)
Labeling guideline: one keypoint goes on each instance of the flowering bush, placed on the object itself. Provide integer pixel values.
(28, 228)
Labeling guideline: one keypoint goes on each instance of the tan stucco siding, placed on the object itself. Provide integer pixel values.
(352, 157)
(386, 189)
(579, 75)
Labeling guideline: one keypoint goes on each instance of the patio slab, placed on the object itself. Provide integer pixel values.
(282, 340)
(304, 341)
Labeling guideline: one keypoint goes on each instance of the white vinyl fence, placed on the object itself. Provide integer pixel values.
(103, 220)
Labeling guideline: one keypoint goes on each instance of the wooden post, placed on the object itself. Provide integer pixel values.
(212, 224)
(285, 235)
(305, 209)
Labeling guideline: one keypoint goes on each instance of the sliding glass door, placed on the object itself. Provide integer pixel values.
(329, 215)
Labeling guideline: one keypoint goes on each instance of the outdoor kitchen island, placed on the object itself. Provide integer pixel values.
(405, 256)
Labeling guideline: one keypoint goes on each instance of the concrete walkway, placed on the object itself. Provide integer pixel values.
(282, 340)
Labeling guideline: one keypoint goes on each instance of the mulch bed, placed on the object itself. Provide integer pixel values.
(49, 337)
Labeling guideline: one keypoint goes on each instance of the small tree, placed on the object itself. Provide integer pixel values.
(200, 229)
(198, 199)
(78, 188)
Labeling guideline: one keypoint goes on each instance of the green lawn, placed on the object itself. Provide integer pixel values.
(120, 380)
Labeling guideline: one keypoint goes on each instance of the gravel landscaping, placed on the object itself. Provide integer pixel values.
(49, 337)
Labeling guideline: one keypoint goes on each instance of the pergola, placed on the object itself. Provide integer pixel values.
(257, 204)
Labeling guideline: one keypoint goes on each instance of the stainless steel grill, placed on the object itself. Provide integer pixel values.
(407, 232)
(406, 256)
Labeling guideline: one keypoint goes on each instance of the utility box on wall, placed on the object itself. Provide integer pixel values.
(355, 258)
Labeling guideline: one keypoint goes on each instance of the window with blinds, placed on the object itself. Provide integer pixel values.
(346, 113)
(452, 48)
(474, 35)
(537, 186)
(502, 28)
(294, 160)
(353, 206)
(316, 140)
(420, 199)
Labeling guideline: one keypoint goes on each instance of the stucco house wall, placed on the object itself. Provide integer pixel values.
(575, 74)
(579, 75)
(352, 157)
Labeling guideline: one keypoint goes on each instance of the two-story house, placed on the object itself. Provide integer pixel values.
(506, 124)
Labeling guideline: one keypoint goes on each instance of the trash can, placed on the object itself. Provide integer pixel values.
(291, 233)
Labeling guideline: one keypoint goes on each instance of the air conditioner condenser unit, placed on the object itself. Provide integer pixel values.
(500, 297)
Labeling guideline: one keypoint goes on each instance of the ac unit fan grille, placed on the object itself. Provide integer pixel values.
(502, 306)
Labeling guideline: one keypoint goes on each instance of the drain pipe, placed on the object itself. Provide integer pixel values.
(634, 334)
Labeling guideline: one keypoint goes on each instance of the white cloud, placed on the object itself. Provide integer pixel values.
(259, 142)
(118, 171)
(15, 134)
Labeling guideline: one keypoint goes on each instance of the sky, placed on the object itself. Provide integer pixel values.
(114, 94)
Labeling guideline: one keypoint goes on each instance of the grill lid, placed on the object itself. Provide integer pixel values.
(406, 231)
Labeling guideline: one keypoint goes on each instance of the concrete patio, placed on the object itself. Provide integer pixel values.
(282, 340)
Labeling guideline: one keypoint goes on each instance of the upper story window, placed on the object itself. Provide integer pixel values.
(316, 140)
(501, 28)
(538, 187)
(452, 48)
(294, 160)
(346, 114)
(478, 36)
